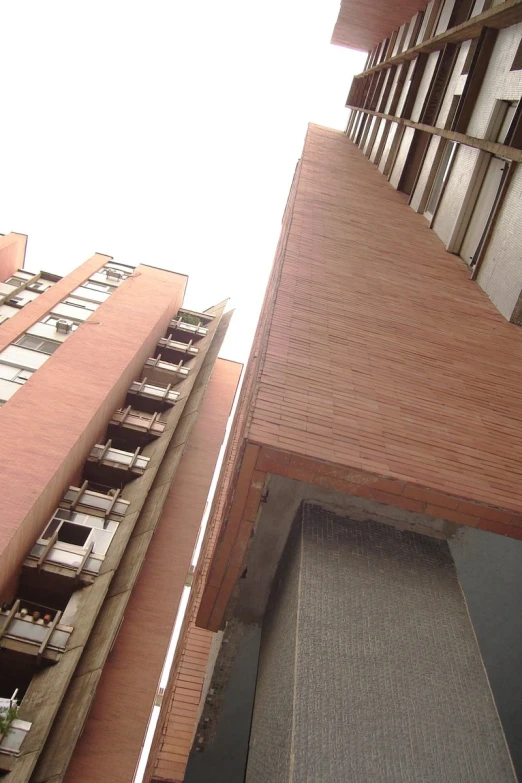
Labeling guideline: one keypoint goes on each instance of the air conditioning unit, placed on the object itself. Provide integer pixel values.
(113, 274)
(63, 325)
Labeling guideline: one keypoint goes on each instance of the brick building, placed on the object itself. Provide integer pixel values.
(114, 405)
(357, 601)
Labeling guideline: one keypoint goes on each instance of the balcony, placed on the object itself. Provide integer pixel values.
(108, 465)
(33, 631)
(129, 428)
(90, 502)
(151, 398)
(174, 350)
(195, 329)
(11, 740)
(162, 372)
(69, 552)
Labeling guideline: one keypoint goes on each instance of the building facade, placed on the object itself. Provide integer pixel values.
(357, 604)
(114, 408)
(437, 110)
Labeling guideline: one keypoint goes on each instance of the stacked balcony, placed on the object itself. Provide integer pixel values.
(14, 732)
(35, 626)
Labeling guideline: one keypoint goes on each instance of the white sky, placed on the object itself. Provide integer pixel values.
(165, 133)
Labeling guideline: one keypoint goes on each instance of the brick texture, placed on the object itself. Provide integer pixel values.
(118, 719)
(12, 254)
(361, 26)
(381, 354)
(376, 360)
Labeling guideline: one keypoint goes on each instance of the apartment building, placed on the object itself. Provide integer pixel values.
(356, 606)
(114, 408)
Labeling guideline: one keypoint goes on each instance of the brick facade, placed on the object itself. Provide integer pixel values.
(379, 368)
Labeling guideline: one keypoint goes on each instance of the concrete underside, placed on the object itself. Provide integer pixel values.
(361, 25)
(369, 668)
(487, 567)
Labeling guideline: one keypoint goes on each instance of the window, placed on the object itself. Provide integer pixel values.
(15, 281)
(17, 301)
(469, 57)
(516, 65)
(75, 302)
(441, 177)
(38, 286)
(35, 343)
(14, 374)
(106, 289)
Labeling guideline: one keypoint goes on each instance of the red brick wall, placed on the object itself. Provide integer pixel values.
(12, 254)
(382, 354)
(380, 368)
(43, 445)
(111, 742)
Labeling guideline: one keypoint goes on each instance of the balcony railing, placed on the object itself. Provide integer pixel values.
(151, 397)
(162, 372)
(35, 630)
(181, 328)
(130, 427)
(114, 465)
(11, 741)
(169, 347)
(72, 546)
(90, 502)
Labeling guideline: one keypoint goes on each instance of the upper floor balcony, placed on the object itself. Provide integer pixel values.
(113, 466)
(148, 397)
(176, 350)
(85, 500)
(162, 372)
(129, 428)
(189, 323)
(34, 631)
(71, 548)
(13, 734)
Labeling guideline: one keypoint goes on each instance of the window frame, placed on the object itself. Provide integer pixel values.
(42, 340)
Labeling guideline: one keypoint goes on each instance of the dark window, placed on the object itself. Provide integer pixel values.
(517, 62)
(74, 534)
(469, 57)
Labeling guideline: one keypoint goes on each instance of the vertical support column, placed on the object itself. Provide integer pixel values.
(369, 668)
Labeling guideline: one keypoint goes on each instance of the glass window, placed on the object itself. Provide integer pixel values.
(84, 303)
(441, 176)
(15, 281)
(23, 376)
(41, 344)
(10, 373)
(106, 289)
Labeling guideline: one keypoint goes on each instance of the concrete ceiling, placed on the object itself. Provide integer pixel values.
(361, 25)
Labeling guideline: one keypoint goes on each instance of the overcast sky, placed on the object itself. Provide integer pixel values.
(165, 133)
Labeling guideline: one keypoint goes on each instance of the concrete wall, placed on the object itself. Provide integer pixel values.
(111, 741)
(488, 567)
(369, 667)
